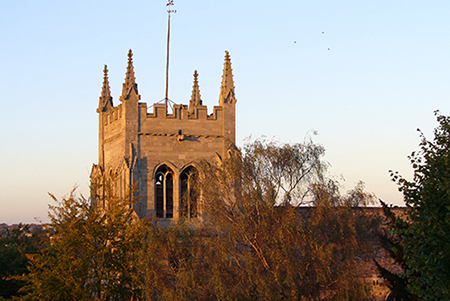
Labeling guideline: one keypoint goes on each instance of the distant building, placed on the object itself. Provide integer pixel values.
(158, 150)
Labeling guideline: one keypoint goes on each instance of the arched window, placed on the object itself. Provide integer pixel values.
(164, 192)
(390, 297)
(189, 195)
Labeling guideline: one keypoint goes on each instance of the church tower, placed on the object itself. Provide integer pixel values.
(158, 151)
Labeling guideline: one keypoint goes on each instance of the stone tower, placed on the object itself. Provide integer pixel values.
(157, 151)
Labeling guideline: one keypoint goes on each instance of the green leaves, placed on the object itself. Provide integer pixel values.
(92, 254)
(426, 240)
(16, 243)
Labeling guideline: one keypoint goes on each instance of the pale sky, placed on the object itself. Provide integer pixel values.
(363, 74)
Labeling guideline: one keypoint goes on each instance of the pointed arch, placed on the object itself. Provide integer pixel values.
(170, 165)
(189, 196)
(190, 165)
(164, 191)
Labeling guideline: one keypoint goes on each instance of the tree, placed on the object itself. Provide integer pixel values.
(250, 241)
(255, 241)
(426, 241)
(283, 250)
(392, 242)
(91, 254)
(15, 243)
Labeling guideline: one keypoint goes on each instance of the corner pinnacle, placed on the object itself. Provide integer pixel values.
(227, 88)
(195, 98)
(130, 79)
(105, 97)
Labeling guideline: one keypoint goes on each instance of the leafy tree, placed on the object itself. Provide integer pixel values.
(392, 242)
(251, 240)
(92, 253)
(170, 272)
(426, 241)
(255, 242)
(15, 244)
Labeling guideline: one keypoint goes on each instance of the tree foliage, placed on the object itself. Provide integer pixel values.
(15, 244)
(392, 242)
(253, 238)
(91, 254)
(255, 242)
(426, 240)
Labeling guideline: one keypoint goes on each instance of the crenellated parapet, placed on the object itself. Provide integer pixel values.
(182, 112)
(113, 115)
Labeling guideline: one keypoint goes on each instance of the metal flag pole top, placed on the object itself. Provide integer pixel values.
(169, 11)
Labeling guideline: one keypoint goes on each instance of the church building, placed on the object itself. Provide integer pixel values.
(156, 149)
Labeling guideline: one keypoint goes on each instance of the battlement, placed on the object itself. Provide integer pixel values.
(180, 111)
(180, 120)
(113, 115)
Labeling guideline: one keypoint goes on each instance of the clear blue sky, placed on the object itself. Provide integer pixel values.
(387, 69)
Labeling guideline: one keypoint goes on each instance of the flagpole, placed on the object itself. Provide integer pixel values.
(169, 11)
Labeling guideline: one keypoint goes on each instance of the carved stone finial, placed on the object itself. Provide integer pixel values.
(130, 79)
(227, 88)
(195, 98)
(105, 97)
